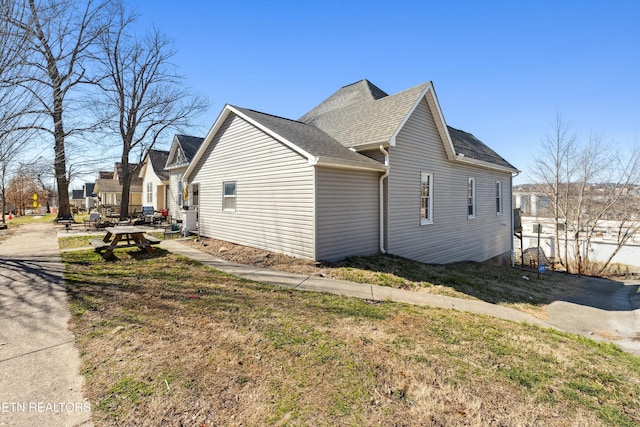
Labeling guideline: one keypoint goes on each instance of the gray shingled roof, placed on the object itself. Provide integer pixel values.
(158, 160)
(309, 138)
(354, 93)
(362, 115)
(472, 147)
(88, 189)
(189, 145)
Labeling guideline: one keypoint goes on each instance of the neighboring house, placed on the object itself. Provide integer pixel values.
(363, 172)
(155, 180)
(77, 200)
(91, 199)
(108, 187)
(182, 150)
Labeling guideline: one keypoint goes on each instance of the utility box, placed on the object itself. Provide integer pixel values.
(189, 220)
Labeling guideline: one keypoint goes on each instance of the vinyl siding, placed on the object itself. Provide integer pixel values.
(175, 209)
(452, 236)
(157, 189)
(274, 191)
(347, 213)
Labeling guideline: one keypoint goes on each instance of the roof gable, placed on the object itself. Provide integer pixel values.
(365, 120)
(158, 159)
(359, 116)
(311, 143)
(183, 150)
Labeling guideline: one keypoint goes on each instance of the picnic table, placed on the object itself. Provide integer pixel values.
(123, 237)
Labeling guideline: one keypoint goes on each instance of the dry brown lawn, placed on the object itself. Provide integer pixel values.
(166, 341)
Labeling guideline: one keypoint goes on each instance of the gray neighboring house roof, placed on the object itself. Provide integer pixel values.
(183, 150)
(88, 189)
(309, 138)
(189, 145)
(158, 159)
(77, 194)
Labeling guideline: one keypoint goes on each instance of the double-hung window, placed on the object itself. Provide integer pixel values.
(426, 198)
(195, 196)
(498, 197)
(149, 192)
(471, 198)
(229, 196)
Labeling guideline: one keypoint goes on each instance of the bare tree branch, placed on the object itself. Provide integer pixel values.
(143, 96)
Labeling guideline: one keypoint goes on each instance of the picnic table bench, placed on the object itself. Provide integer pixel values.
(123, 237)
(66, 222)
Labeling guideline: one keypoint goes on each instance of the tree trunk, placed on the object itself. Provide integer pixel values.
(60, 162)
(126, 187)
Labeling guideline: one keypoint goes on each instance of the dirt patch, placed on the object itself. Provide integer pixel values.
(258, 257)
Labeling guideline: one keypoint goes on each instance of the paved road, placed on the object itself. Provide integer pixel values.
(605, 310)
(40, 382)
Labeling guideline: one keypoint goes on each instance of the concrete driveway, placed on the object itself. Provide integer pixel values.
(604, 310)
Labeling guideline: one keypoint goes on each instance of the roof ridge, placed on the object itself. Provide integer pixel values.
(270, 115)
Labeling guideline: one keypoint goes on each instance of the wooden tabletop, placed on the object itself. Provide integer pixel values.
(125, 230)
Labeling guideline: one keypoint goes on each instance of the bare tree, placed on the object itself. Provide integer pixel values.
(554, 170)
(143, 94)
(61, 36)
(588, 183)
(24, 192)
(16, 103)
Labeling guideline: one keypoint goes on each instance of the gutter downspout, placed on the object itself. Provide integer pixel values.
(513, 230)
(381, 197)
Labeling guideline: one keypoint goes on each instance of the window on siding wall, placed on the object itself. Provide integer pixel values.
(498, 198)
(180, 194)
(229, 196)
(195, 189)
(426, 198)
(149, 192)
(471, 198)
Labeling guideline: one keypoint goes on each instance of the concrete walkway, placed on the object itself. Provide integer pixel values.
(40, 382)
(351, 289)
(605, 312)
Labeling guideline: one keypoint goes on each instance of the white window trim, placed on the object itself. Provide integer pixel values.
(225, 197)
(499, 199)
(429, 219)
(472, 182)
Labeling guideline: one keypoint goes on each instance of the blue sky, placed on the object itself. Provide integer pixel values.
(502, 70)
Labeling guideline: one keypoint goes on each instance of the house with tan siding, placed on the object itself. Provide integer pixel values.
(362, 173)
(108, 188)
